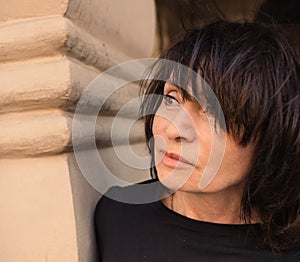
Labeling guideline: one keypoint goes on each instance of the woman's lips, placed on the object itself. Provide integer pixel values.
(174, 160)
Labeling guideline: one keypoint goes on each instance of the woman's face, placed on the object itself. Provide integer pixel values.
(183, 139)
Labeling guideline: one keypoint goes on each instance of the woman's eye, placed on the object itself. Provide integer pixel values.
(170, 100)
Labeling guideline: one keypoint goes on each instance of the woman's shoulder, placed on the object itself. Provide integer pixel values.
(117, 198)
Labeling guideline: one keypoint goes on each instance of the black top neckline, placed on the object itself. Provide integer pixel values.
(193, 223)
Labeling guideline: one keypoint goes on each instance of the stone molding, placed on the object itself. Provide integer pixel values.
(55, 36)
(17, 10)
(49, 52)
(38, 133)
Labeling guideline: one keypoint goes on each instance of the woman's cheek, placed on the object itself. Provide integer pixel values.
(158, 124)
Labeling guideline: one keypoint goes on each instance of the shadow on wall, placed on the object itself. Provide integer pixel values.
(285, 13)
(175, 15)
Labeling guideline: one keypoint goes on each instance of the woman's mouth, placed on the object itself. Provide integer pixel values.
(173, 160)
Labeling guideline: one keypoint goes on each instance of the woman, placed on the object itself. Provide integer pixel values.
(249, 209)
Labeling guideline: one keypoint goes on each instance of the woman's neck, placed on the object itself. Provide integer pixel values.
(221, 207)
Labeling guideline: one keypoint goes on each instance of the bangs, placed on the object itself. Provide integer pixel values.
(226, 78)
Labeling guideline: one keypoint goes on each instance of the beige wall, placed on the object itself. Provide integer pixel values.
(37, 210)
(49, 53)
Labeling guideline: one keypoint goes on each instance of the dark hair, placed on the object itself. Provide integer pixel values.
(254, 72)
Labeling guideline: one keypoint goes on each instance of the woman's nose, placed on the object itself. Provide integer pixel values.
(181, 127)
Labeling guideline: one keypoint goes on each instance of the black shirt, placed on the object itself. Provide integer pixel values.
(153, 233)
